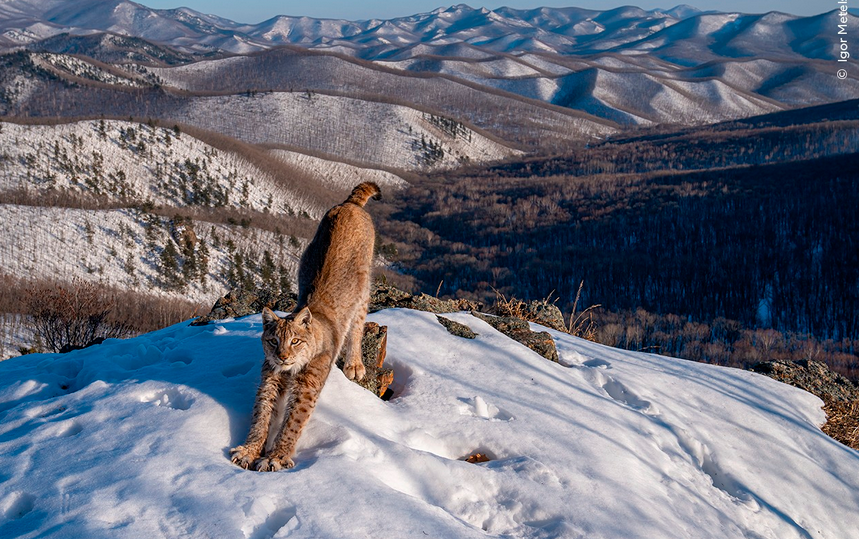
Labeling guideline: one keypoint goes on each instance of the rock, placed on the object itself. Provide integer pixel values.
(384, 296)
(455, 328)
(812, 376)
(839, 395)
(477, 458)
(546, 314)
(238, 303)
(373, 352)
(519, 330)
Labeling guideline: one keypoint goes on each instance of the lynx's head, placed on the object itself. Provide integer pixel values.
(288, 343)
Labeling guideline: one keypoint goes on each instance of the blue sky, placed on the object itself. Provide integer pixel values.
(253, 11)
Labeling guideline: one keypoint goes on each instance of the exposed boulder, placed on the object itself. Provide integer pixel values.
(239, 302)
(383, 296)
(839, 395)
(373, 352)
(519, 330)
(546, 314)
(455, 328)
(812, 376)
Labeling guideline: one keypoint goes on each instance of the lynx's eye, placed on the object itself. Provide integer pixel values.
(273, 342)
(295, 341)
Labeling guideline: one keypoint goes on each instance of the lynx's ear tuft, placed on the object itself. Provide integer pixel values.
(304, 317)
(268, 316)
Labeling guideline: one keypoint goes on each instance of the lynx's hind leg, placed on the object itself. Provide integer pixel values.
(353, 363)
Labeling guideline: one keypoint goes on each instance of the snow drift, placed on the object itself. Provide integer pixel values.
(131, 439)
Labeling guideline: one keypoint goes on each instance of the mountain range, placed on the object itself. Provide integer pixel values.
(624, 66)
(459, 31)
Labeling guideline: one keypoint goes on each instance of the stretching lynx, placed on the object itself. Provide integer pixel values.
(333, 292)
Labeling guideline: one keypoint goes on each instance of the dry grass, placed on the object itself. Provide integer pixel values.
(582, 324)
(134, 311)
(842, 422)
(514, 308)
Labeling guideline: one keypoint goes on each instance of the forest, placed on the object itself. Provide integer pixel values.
(728, 244)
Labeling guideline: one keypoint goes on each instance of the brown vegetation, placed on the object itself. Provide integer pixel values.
(68, 315)
(728, 265)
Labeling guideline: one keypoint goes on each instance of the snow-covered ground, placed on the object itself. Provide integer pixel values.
(131, 439)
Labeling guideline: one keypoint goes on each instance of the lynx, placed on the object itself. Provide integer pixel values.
(333, 293)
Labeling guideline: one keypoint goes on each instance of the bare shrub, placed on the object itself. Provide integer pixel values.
(72, 316)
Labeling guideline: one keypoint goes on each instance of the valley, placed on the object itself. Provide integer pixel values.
(687, 164)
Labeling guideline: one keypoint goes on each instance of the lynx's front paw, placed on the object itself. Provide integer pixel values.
(354, 371)
(273, 464)
(242, 456)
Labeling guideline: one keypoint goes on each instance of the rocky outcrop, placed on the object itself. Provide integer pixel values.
(238, 303)
(383, 296)
(519, 330)
(839, 395)
(373, 352)
(812, 376)
(455, 328)
(546, 314)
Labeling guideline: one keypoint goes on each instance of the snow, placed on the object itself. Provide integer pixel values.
(113, 246)
(373, 133)
(131, 438)
(339, 175)
(153, 164)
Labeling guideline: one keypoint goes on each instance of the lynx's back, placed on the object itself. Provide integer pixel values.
(335, 269)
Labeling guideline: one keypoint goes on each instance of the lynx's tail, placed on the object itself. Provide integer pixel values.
(363, 192)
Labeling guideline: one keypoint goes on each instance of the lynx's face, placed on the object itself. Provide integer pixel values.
(288, 342)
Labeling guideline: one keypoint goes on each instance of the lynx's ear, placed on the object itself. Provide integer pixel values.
(304, 317)
(268, 316)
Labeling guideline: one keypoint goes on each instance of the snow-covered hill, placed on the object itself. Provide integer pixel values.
(108, 200)
(684, 30)
(131, 439)
(624, 65)
(132, 163)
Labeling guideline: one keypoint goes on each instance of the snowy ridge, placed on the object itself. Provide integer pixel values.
(117, 248)
(608, 444)
(129, 162)
(504, 30)
(338, 175)
(128, 168)
(366, 131)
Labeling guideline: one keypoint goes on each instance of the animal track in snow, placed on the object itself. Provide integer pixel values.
(169, 398)
(17, 504)
(178, 356)
(572, 358)
(620, 393)
(528, 468)
(478, 407)
(265, 519)
(71, 428)
(709, 465)
(597, 364)
(239, 369)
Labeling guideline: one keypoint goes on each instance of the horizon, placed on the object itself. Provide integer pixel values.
(257, 11)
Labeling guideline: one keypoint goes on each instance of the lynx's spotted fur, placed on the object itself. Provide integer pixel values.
(334, 289)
